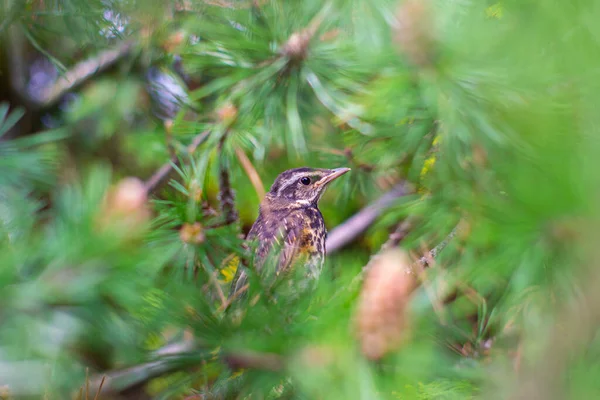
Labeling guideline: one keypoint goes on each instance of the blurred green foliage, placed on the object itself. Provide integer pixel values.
(487, 109)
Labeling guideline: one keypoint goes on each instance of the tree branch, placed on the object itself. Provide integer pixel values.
(357, 224)
(226, 193)
(251, 172)
(79, 73)
(426, 259)
(175, 357)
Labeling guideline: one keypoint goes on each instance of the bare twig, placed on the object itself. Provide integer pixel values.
(234, 296)
(424, 261)
(267, 362)
(397, 236)
(251, 172)
(354, 226)
(215, 283)
(226, 193)
(97, 396)
(393, 240)
(74, 77)
(82, 71)
(180, 355)
(153, 182)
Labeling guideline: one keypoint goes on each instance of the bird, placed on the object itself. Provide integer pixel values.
(289, 219)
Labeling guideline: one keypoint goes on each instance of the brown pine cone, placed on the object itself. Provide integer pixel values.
(413, 33)
(382, 320)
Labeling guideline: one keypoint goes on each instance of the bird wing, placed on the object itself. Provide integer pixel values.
(292, 233)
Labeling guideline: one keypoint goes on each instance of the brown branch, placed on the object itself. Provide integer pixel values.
(74, 77)
(262, 361)
(156, 178)
(226, 193)
(251, 172)
(393, 240)
(425, 260)
(175, 357)
(357, 224)
(234, 296)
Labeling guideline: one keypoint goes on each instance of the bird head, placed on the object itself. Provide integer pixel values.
(304, 186)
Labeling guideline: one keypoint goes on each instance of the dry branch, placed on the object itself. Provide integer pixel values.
(177, 356)
(226, 193)
(357, 224)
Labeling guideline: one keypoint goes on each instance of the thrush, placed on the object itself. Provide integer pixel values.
(289, 221)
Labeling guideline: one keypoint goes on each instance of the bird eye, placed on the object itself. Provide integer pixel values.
(305, 180)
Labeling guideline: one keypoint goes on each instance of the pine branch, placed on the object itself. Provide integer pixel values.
(74, 77)
(154, 181)
(358, 223)
(426, 259)
(393, 240)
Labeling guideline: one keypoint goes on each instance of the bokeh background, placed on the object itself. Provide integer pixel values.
(137, 139)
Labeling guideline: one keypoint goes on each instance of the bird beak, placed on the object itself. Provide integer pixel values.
(335, 173)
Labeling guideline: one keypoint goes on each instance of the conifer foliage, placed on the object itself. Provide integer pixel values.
(137, 139)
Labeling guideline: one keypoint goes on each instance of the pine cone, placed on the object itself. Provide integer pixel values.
(126, 205)
(382, 316)
(413, 33)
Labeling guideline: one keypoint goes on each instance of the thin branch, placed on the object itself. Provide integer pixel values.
(357, 224)
(397, 235)
(262, 361)
(181, 355)
(155, 180)
(226, 193)
(74, 77)
(432, 254)
(251, 172)
(393, 240)
(234, 296)
(217, 286)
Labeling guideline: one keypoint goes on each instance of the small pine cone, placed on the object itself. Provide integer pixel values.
(381, 316)
(126, 204)
(227, 114)
(413, 33)
(192, 233)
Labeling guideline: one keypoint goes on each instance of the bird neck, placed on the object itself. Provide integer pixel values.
(273, 203)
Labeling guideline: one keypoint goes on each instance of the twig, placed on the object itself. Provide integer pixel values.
(234, 296)
(434, 298)
(393, 240)
(74, 77)
(424, 261)
(226, 193)
(215, 283)
(251, 172)
(355, 225)
(172, 360)
(97, 396)
(153, 182)
(267, 362)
